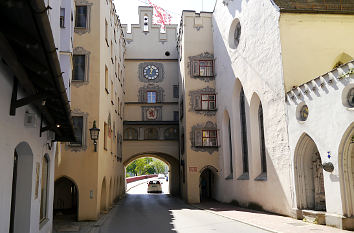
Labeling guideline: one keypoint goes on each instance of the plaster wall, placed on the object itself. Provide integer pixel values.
(327, 127)
(256, 66)
(313, 39)
(194, 26)
(15, 132)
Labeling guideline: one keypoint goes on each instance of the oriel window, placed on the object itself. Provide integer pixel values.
(81, 17)
(79, 67)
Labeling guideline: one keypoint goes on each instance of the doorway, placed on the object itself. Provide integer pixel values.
(65, 204)
(206, 185)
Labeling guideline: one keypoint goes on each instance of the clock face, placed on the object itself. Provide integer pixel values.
(151, 72)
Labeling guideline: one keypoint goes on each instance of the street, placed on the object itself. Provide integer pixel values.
(161, 213)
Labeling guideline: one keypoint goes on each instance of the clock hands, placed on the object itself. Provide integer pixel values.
(150, 70)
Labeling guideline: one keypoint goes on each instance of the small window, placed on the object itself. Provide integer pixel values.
(203, 68)
(44, 189)
(209, 138)
(106, 32)
(175, 91)
(81, 17)
(62, 17)
(106, 79)
(105, 141)
(208, 101)
(78, 130)
(151, 97)
(79, 67)
(175, 115)
(146, 23)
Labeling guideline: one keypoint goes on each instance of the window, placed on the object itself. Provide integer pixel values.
(350, 97)
(175, 91)
(151, 96)
(208, 101)
(78, 122)
(243, 132)
(79, 67)
(230, 148)
(175, 115)
(203, 68)
(106, 32)
(209, 138)
(44, 189)
(261, 138)
(106, 79)
(105, 136)
(62, 17)
(81, 17)
(146, 23)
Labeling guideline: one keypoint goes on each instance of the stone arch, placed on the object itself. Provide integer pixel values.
(309, 183)
(103, 202)
(66, 197)
(346, 170)
(20, 213)
(171, 161)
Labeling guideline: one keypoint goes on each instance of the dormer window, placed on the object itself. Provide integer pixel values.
(146, 23)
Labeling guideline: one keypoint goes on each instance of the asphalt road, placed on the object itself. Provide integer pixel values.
(140, 212)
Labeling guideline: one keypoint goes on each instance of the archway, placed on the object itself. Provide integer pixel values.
(309, 182)
(346, 170)
(172, 163)
(103, 203)
(207, 183)
(21, 189)
(66, 198)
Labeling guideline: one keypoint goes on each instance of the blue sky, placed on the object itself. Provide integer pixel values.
(128, 9)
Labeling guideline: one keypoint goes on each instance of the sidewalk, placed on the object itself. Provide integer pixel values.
(264, 220)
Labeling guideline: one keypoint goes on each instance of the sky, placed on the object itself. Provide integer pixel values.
(128, 9)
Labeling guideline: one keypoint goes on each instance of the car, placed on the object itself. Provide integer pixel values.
(161, 176)
(154, 186)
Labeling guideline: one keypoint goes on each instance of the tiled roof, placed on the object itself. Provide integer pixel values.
(316, 6)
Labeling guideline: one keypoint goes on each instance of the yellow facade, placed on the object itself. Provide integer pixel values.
(312, 44)
(98, 176)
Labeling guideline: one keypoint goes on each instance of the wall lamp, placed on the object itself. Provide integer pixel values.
(94, 133)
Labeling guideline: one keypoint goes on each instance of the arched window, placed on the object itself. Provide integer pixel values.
(230, 148)
(130, 134)
(261, 139)
(243, 132)
(44, 189)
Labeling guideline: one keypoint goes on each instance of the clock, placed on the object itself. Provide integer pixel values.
(151, 72)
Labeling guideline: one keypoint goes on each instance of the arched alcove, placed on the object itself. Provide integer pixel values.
(103, 202)
(346, 170)
(66, 199)
(20, 214)
(309, 183)
(207, 183)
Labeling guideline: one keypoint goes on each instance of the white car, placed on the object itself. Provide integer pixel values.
(154, 186)
(161, 177)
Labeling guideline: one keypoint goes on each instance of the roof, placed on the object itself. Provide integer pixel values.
(27, 46)
(316, 6)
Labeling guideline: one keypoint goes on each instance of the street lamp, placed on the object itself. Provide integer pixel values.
(94, 132)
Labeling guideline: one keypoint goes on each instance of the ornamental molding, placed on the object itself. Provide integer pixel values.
(151, 87)
(199, 127)
(202, 56)
(159, 78)
(83, 147)
(195, 101)
(82, 31)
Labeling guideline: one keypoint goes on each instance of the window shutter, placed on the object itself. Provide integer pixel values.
(195, 68)
(197, 102)
(198, 138)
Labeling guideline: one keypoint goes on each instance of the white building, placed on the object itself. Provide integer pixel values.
(35, 110)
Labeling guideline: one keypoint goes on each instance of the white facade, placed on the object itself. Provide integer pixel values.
(21, 136)
(255, 64)
(329, 126)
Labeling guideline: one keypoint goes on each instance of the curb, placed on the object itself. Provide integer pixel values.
(244, 222)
